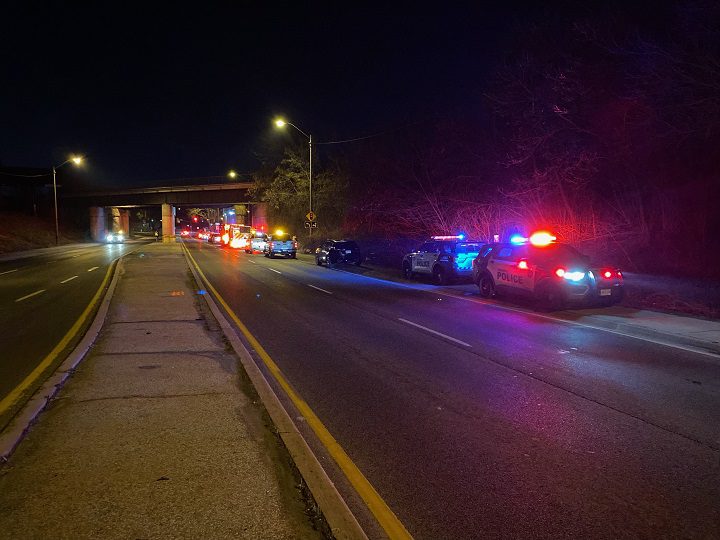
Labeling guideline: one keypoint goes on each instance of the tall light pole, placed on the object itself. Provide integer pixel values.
(77, 160)
(282, 123)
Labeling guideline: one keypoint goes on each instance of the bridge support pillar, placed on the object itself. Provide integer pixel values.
(97, 223)
(115, 224)
(125, 222)
(168, 223)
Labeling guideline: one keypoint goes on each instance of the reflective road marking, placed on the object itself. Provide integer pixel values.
(276, 271)
(30, 295)
(8, 272)
(434, 332)
(319, 289)
(93, 268)
(68, 279)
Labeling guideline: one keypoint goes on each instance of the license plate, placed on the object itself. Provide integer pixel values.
(605, 292)
(348, 252)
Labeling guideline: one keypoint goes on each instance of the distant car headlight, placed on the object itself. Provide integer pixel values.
(109, 238)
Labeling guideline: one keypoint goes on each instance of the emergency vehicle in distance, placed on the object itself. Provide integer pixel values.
(236, 236)
(553, 273)
(444, 258)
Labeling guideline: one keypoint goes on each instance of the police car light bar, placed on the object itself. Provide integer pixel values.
(449, 237)
(542, 238)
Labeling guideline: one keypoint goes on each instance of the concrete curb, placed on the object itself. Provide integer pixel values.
(23, 420)
(669, 339)
(343, 523)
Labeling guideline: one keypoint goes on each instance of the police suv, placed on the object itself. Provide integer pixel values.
(442, 257)
(552, 272)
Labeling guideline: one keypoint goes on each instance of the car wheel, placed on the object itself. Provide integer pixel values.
(407, 272)
(551, 298)
(439, 276)
(293, 256)
(317, 261)
(486, 285)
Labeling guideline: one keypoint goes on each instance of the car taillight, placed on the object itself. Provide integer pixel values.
(559, 272)
(271, 245)
(294, 245)
(522, 264)
(608, 273)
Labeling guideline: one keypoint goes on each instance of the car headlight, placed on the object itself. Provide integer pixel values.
(109, 238)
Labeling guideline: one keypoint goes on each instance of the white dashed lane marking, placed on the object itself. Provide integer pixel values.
(276, 271)
(30, 295)
(434, 332)
(68, 279)
(319, 289)
(93, 268)
(8, 271)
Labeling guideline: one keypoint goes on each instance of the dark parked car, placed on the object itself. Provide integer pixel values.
(337, 251)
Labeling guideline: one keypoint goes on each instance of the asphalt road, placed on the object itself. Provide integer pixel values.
(41, 298)
(472, 421)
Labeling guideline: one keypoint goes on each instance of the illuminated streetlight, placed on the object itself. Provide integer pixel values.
(280, 123)
(77, 160)
(232, 174)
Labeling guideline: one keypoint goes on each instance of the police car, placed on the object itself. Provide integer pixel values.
(551, 272)
(444, 258)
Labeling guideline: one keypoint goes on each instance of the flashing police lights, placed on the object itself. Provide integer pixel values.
(538, 239)
(449, 237)
(542, 238)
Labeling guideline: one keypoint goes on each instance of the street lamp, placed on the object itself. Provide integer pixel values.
(77, 160)
(280, 123)
(232, 175)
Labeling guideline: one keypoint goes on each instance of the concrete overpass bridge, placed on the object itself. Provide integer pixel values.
(116, 204)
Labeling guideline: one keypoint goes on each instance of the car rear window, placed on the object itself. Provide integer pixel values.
(559, 254)
(346, 245)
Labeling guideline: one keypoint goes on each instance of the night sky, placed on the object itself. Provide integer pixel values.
(154, 95)
(165, 93)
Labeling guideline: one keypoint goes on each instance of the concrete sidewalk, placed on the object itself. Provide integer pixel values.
(157, 435)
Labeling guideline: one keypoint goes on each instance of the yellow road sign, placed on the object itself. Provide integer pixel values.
(310, 216)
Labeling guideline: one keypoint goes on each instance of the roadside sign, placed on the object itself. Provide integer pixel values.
(311, 216)
(311, 224)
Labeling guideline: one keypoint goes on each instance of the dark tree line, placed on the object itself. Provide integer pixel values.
(603, 128)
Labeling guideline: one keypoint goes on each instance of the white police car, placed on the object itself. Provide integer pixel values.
(444, 258)
(554, 273)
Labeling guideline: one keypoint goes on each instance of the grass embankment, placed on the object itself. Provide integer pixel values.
(20, 232)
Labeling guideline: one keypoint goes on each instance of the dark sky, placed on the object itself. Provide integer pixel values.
(153, 93)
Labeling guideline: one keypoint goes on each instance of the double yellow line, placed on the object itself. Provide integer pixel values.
(16, 394)
(385, 516)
